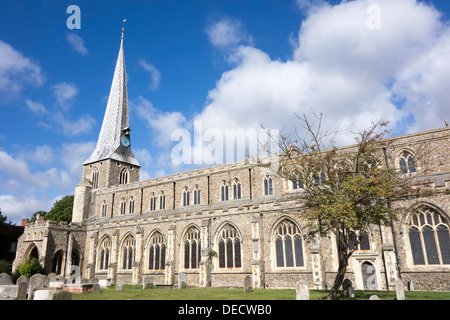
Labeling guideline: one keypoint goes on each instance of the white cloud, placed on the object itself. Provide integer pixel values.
(77, 43)
(82, 125)
(16, 208)
(161, 123)
(16, 176)
(16, 72)
(352, 74)
(64, 92)
(155, 75)
(227, 32)
(35, 107)
(42, 155)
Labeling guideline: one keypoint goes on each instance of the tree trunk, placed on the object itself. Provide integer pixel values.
(342, 269)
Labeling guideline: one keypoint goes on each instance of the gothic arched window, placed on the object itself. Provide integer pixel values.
(128, 252)
(407, 163)
(105, 250)
(153, 202)
(229, 248)
(237, 192)
(156, 252)
(186, 197)
(123, 206)
(131, 205)
(104, 208)
(162, 201)
(429, 237)
(224, 191)
(196, 195)
(288, 245)
(192, 248)
(268, 185)
(95, 178)
(123, 176)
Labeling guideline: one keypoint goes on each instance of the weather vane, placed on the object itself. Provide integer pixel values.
(123, 27)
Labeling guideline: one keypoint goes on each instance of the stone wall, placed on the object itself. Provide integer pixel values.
(255, 217)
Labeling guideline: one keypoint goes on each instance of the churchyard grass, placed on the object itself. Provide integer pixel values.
(130, 293)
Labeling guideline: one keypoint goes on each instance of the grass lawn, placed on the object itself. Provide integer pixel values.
(129, 293)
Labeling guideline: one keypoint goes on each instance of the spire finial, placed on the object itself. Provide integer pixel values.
(123, 29)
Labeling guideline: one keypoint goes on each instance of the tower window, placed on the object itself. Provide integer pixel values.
(123, 176)
(95, 178)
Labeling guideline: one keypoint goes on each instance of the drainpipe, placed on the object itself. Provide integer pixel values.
(67, 249)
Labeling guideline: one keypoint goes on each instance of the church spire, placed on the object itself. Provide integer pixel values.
(115, 122)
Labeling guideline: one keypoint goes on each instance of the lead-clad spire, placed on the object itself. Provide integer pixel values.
(116, 121)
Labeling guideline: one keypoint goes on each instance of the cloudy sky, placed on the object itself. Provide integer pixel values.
(222, 64)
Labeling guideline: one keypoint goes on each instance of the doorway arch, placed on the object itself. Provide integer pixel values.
(369, 276)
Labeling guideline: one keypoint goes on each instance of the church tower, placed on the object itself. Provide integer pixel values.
(112, 162)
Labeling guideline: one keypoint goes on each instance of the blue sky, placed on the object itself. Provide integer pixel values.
(225, 64)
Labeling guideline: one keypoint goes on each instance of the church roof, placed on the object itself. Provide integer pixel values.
(116, 120)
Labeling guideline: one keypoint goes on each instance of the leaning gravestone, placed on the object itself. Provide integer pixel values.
(5, 279)
(400, 289)
(22, 289)
(302, 291)
(247, 284)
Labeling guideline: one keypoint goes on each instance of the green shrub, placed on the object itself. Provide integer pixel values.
(30, 267)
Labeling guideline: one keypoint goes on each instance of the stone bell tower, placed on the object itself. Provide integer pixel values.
(112, 162)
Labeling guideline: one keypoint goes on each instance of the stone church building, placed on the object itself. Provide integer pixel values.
(222, 223)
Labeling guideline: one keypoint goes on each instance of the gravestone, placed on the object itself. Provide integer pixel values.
(22, 289)
(5, 279)
(302, 291)
(182, 280)
(247, 284)
(374, 297)
(96, 288)
(351, 293)
(8, 292)
(346, 285)
(410, 286)
(51, 277)
(62, 295)
(400, 289)
(147, 283)
(37, 281)
(119, 287)
(23, 279)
